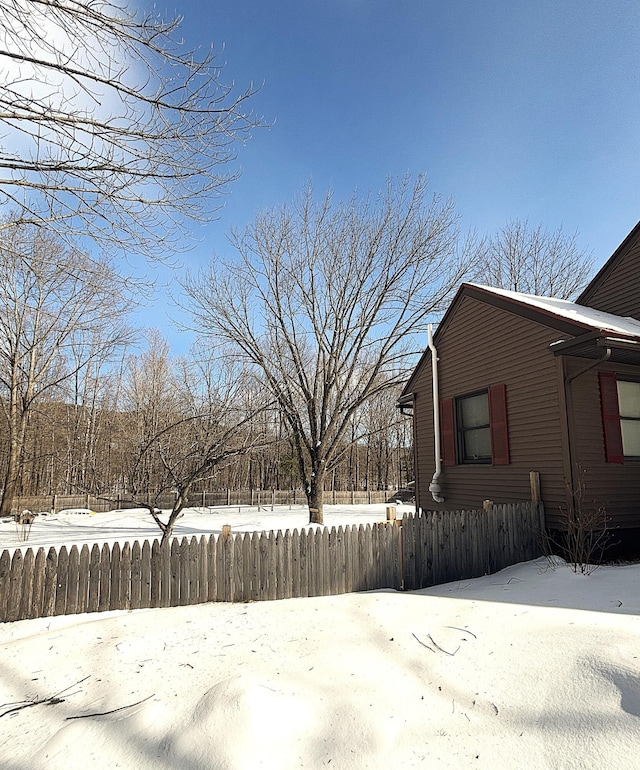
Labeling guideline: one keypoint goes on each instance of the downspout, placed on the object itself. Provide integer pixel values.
(434, 487)
(568, 379)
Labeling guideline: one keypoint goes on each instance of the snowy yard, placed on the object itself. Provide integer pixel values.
(80, 526)
(532, 667)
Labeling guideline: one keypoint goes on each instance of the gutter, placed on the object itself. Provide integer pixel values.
(434, 487)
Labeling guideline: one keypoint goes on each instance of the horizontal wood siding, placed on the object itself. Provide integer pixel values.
(618, 289)
(616, 486)
(481, 346)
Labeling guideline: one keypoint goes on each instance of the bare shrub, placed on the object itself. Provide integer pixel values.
(586, 537)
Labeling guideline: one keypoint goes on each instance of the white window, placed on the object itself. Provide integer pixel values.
(629, 407)
(474, 434)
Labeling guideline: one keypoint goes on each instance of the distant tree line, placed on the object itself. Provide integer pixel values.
(142, 422)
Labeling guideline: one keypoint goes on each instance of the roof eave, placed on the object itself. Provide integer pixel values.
(583, 298)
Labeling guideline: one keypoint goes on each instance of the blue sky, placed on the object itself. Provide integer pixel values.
(515, 109)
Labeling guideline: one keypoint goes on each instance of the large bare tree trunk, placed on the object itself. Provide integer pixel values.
(315, 498)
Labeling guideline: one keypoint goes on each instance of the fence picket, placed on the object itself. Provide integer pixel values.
(280, 566)
(220, 578)
(285, 554)
(322, 541)
(94, 579)
(61, 582)
(104, 572)
(151, 575)
(73, 582)
(228, 569)
(304, 563)
(174, 570)
(339, 560)
(295, 564)
(5, 582)
(15, 586)
(184, 587)
(316, 576)
(28, 573)
(409, 527)
(37, 597)
(264, 566)
(114, 581)
(240, 593)
(49, 589)
(136, 576)
(254, 548)
(348, 559)
(200, 566)
(212, 570)
(125, 577)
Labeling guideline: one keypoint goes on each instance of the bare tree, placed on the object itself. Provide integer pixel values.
(112, 128)
(59, 310)
(325, 300)
(535, 261)
(150, 404)
(211, 424)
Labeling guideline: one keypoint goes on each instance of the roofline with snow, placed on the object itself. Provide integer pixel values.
(514, 302)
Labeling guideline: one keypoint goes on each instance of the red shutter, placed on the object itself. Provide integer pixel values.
(610, 417)
(447, 432)
(498, 424)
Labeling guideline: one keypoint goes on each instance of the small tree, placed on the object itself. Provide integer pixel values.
(212, 422)
(535, 261)
(586, 535)
(326, 300)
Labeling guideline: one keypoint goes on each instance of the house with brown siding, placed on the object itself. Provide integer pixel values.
(526, 384)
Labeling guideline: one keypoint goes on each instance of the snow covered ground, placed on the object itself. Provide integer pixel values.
(534, 667)
(82, 526)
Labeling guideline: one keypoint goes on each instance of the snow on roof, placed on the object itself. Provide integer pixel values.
(571, 311)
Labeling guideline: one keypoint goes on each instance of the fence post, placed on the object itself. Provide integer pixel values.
(534, 481)
(54, 504)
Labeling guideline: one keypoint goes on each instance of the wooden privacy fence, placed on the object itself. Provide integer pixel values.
(205, 499)
(441, 546)
(428, 548)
